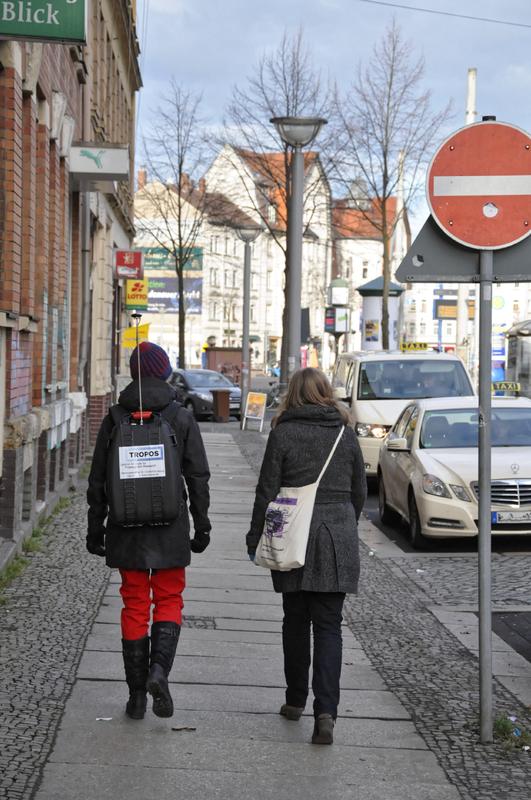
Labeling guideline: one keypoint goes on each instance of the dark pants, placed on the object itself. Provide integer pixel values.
(322, 611)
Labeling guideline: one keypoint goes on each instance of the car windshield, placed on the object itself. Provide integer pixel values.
(402, 380)
(511, 427)
(207, 380)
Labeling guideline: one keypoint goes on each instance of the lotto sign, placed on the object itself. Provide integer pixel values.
(44, 20)
(479, 185)
(136, 294)
(142, 461)
(129, 264)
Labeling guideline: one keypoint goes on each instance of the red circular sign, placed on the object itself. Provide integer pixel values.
(479, 185)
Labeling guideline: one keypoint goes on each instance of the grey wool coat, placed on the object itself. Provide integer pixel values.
(296, 451)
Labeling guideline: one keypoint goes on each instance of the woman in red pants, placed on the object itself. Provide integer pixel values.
(151, 558)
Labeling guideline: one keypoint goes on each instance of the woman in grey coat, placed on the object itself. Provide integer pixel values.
(304, 431)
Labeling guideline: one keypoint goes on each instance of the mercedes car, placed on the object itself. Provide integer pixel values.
(428, 468)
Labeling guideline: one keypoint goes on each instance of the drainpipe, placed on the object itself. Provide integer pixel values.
(84, 327)
(85, 289)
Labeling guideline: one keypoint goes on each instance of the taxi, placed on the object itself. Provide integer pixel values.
(377, 384)
(428, 468)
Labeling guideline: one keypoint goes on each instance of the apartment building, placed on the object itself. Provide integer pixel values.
(67, 116)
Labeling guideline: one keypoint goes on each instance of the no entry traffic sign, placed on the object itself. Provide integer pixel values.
(479, 185)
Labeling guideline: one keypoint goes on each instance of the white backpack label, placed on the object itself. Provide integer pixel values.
(142, 461)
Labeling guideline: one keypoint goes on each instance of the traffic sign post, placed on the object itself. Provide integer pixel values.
(484, 500)
(479, 193)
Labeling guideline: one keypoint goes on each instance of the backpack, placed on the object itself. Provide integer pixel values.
(144, 483)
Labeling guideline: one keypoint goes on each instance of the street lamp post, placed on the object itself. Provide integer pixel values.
(248, 236)
(296, 132)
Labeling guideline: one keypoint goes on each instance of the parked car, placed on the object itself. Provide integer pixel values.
(378, 384)
(195, 388)
(428, 470)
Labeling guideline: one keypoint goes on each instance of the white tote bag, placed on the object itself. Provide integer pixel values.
(284, 540)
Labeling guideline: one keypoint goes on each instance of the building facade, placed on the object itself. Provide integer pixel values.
(358, 254)
(238, 190)
(58, 224)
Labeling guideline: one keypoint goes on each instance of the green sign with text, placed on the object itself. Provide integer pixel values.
(44, 20)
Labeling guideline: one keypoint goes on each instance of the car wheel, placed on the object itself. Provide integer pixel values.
(386, 513)
(415, 533)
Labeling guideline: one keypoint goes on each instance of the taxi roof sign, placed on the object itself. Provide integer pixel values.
(506, 386)
(405, 346)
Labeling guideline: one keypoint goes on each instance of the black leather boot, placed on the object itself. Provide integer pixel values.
(164, 638)
(136, 663)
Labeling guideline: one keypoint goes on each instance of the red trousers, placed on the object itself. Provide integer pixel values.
(142, 587)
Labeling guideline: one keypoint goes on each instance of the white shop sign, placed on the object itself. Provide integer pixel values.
(142, 461)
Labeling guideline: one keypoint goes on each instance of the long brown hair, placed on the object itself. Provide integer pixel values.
(310, 386)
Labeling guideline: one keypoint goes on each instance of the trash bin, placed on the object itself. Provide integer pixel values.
(221, 404)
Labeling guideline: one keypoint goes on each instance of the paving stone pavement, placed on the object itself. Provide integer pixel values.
(226, 739)
(405, 674)
(48, 613)
(399, 619)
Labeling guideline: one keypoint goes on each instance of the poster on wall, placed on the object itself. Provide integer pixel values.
(163, 296)
(371, 330)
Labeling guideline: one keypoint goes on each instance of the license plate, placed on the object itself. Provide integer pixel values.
(511, 516)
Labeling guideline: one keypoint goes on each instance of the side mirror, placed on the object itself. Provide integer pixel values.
(340, 394)
(397, 444)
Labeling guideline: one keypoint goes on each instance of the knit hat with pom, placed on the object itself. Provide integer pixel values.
(154, 362)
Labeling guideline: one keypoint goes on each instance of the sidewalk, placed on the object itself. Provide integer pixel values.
(226, 740)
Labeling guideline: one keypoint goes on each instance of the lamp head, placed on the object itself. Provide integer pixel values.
(248, 233)
(298, 131)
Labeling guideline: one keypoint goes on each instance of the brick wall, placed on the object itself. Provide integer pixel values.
(98, 407)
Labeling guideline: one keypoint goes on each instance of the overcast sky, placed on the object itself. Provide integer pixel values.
(210, 46)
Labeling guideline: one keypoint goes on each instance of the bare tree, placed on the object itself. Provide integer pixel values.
(385, 136)
(285, 82)
(170, 207)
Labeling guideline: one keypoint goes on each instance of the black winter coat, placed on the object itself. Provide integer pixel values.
(296, 451)
(152, 547)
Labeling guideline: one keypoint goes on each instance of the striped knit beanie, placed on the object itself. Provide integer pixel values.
(154, 362)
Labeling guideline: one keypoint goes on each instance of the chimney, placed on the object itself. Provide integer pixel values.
(186, 183)
(141, 178)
